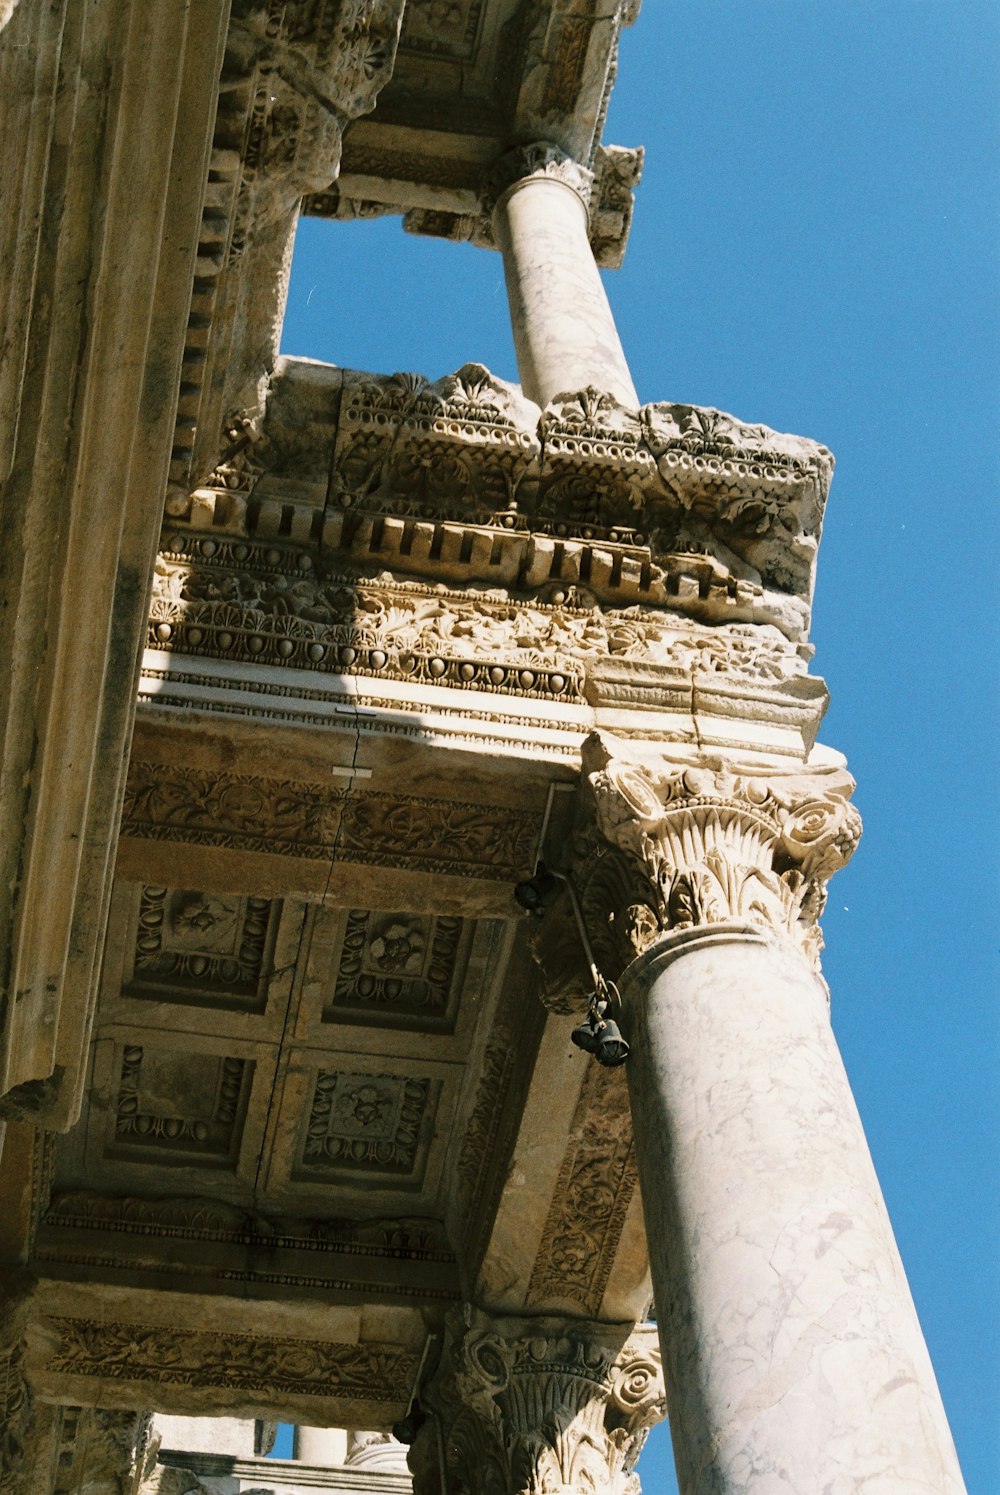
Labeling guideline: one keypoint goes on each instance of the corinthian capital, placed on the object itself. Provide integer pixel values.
(540, 159)
(539, 1405)
(672, 846)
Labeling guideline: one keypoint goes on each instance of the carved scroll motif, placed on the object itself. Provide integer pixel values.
(246, 813)
(182, 1357)
(593, 1191)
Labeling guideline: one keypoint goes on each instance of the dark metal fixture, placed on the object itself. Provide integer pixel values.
(599, 1034)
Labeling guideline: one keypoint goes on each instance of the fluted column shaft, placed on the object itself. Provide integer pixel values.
(792, 1353)
(564, 333)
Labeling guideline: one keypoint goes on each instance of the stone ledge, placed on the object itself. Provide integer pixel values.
(672, 506)
(302, 1478)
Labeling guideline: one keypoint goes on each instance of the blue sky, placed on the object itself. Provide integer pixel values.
(815, 248)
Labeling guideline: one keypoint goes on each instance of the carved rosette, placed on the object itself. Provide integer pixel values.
(540, 159)
(538, 1406)
(671, 846)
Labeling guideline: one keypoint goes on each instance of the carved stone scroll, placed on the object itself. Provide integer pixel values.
(28, 1429)
(539, 1405)
(151, 1355)
(245, 813)
(591, 1199)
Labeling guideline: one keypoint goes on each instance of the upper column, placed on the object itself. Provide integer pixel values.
(564, 332)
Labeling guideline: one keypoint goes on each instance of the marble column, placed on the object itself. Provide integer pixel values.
(373, 1450)
(326, 1447)
(521, 1405)
(792, 1354)
(564, 332)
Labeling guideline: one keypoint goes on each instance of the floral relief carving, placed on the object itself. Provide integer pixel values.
(245, 1362)
(396, 966)
(374, 1123)
(16, 1403)
(315, 821)
(198, 946)
(677, 507)
(684, 846)
(593, 1191)
(234, 606)
(536, 1405)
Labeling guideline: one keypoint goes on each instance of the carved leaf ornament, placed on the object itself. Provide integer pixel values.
(706, 845)
(536, 1407)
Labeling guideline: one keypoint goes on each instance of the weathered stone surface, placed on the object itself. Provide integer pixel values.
(564, 332)
(462, 94)
(317, 1102)
(792, 1354)
(100, 280)
(538, 1404)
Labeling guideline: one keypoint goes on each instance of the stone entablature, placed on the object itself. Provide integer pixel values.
(669, 506)
(517, 577)
(610, 187)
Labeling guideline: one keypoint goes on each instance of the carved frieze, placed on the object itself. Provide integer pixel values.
(671, 846)
(502, 1075)
(260, 604)
(593, 1191)
(674, 508)
(205, 1239)
(246, 813)
(460, 447)
(212, 1221)
(532, 1405)
(154, 1354)
(16, 1401)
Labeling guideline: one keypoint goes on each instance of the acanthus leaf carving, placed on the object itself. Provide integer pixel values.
(672, 846)
(235, 604)
(241, 811)
(594, 1188)
(537, 1405)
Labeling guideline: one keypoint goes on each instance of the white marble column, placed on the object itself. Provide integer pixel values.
(792, 1351)
(326, 1447)
(564, 332)
(792, 1354)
